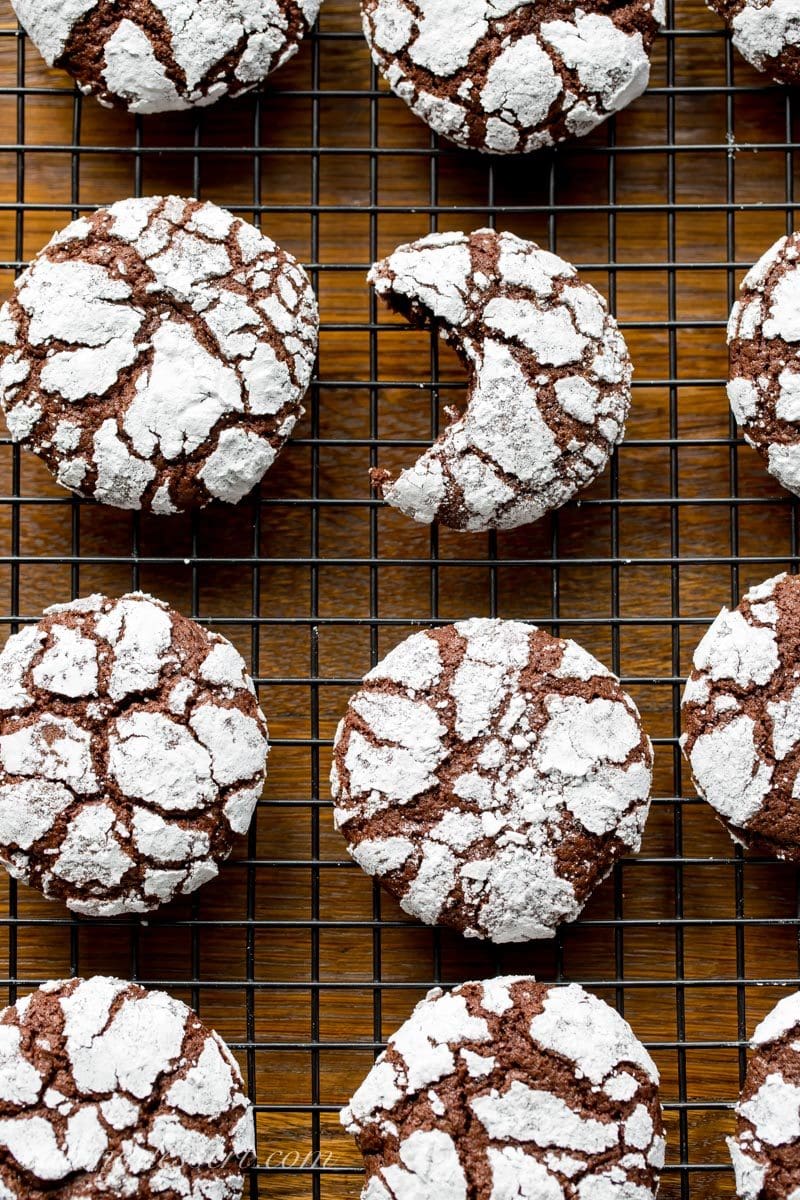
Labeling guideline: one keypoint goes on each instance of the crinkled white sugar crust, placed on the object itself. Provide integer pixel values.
(735, 753)
(146, 1094)
(201, 354)
(763, 32)
(130, 795)
(49, 23)
(534, 1135)
(549, 387)
(256, 36)
(588, 1032)
(768, 1126)
(749, 1173)
(779, 1021)
(517, 91)
(763, 333)
(526, 789)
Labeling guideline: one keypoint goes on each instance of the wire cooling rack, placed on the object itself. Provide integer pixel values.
(292, 954)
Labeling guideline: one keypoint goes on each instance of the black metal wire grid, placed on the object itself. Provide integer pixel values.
(301, 964)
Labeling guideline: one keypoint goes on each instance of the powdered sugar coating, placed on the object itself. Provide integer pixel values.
(531, 1122)
(123, 1088)
(509, 77)
(156, 353)
(741, 712)
(766, 33)
(113, 797)
(764, 1148)
(488, 787)
(764, 346)
(549, 379)
(164, 54)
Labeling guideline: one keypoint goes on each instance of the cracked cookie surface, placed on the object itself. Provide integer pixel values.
(766, 33)
(549, 379)
(159, 55)
(491, 775)
(155, 354)
(510, 1088)
(764, 349)
(132, 750)
(509, 77)
(741, 713)
(109, 1090)
(764, 1150)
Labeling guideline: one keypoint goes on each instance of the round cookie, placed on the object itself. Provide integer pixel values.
(764, 348)
(491, 775)
(765, 1148)
(155, 354)
(511, 77)
(109, 1090)
(158, 55)
(549, 379)
(509, 1088)
(132, 750)
(766, 33)
(741, 714)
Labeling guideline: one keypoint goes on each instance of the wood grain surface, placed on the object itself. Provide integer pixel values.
(292, 954)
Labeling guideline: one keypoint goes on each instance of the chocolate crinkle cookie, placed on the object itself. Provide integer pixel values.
(509, 77)
(157, 55)
(155, 354)
(491, 775)
(109, 1090)
(741, 711)
(549, 379)
(766, 33)
(766, 1147)
(507, 1089)
(764, 347)
(132, 749)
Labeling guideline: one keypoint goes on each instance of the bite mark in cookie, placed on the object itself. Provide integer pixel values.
(132, 751)
(158, 55)
(509, 1088)
(155, 354)
(106, 1089)
(490, 775)
(511, 77)
(549, 379)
